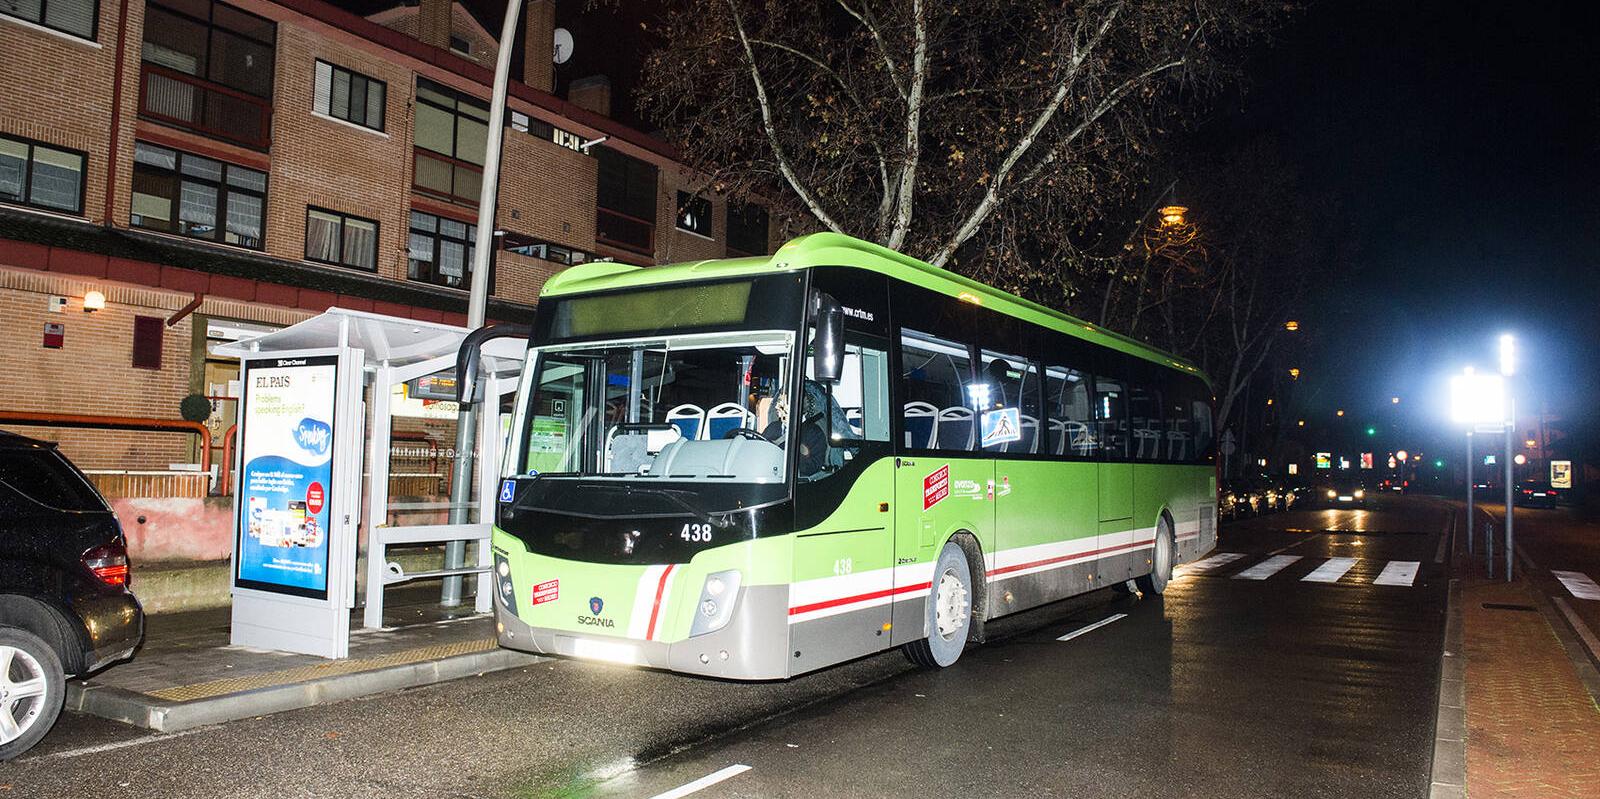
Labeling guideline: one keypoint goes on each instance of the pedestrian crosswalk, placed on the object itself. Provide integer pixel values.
(1578, 584)
(1342, 570)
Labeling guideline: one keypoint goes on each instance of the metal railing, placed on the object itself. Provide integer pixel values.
(167, 95)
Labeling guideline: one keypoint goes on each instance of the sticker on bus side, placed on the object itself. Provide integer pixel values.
(935, 487)
(546, 592)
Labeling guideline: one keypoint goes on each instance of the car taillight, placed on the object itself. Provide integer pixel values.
(1527, 491)
(109, 564)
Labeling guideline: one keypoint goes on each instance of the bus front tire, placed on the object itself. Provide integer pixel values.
(948, 611)
(1161, 567)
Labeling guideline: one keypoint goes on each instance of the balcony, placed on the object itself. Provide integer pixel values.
(169, 96)
(625, 232)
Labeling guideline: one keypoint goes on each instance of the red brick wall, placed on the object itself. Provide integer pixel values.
(314, 158)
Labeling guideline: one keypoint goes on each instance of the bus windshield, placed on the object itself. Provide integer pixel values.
(699, 408)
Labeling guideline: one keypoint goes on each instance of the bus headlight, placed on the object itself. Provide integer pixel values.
(502, 583)
(718, 596)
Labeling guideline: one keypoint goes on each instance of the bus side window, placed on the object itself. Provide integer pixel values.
(1200, 423)
(1013, 383)
(1144, 410)
(1111, 414)
(1071, 426)
(937, 381)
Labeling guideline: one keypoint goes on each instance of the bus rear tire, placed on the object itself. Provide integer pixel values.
(948, 611)
(1161, 566)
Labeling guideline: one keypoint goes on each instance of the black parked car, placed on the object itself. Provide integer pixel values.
(65, 607)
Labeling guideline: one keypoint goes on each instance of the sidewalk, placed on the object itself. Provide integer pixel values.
(187, 675)
(1532, 726)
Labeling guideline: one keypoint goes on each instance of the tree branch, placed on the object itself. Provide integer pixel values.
(883, 47)
(812, 204)
(905, 193)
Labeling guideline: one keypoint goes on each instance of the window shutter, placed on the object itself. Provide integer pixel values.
(73, 16)
(147, 333)
(324, 88)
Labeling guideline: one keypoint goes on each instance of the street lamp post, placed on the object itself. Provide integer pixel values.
(1469, 492)
(1508, 367)
(478, 301)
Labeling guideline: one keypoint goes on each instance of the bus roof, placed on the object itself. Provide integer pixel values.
(834, 249)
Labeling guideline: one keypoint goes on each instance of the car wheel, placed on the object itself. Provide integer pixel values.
(1161, 562)
(948, 616)
(32, 688)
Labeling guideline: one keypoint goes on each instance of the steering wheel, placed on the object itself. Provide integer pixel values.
(744, 432)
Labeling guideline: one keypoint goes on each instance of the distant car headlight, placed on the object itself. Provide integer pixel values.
(1332, 493)
(1359, 493)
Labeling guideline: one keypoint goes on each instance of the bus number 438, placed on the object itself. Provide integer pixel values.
(696, 533)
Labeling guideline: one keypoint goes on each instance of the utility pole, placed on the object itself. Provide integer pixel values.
(478, 302)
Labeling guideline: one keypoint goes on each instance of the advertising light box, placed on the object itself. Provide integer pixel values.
(287, 429)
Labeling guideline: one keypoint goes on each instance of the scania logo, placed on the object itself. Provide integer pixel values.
(596, 604)
(596, 621)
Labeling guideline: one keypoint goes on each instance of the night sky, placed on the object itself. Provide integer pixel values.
(1460, 140)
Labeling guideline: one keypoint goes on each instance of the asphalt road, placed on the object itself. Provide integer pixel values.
(1225, 687)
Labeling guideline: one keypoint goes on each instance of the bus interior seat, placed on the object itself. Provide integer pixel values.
(922, 424)
(1030, 435)
(955, 429)
(690, 419)
(725, 418)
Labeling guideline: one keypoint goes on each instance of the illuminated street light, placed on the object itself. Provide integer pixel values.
(1340, 412)
(1301, 423)
(1508, 355)
(1477, 399)
(1394, 400)
(1269, 400)
(1402, 455)
(1520, 459)
(1532, 444)
(1172, 215)
(1291, 325)
(1294, 374)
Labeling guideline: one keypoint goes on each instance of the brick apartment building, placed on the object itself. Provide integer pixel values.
(216, 169)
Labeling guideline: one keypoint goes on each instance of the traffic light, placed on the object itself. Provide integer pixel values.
(1372, 431)
(1438, 464)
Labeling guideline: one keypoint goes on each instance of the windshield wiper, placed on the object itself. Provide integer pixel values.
(673, 497)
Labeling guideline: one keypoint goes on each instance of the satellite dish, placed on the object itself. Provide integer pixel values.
(563, 46)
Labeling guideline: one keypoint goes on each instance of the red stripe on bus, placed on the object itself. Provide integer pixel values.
(849, 600)
(661, 587)
(1047, 561)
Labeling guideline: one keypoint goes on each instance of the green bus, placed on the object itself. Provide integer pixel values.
(753, 468)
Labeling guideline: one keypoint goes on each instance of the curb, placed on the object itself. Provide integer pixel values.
(1449, 778)
(142, 710)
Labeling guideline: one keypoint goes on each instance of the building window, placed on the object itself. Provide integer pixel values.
(452, 134)
(350, 96)
(148, 332)
(747, 229)
(199, 197)
(694, 214)
(76, 17)
(335, 238)
(539, 248)
(459, 44)
(40, 175)
(208, 67)
(626, 200)
(440, 251)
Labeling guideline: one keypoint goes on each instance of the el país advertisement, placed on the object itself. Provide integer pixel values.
(285, 482)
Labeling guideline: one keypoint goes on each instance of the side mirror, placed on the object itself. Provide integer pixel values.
(471, 349)
(827, 349)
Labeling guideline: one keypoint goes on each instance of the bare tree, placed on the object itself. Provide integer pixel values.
(938, 129)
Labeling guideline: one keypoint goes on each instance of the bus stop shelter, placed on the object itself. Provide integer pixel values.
(314, 474)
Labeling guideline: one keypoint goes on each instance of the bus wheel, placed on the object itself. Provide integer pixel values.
(949, 611)
(1161, 570)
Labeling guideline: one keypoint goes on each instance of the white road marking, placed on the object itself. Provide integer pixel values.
(1578, 583)
(1267, 568)
(92, 750)
(704, 782)
(1398, 572)
(1214, 562)
(1097, 625)
(1331, 571)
